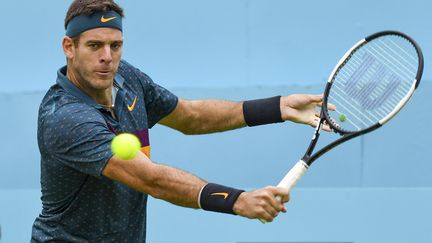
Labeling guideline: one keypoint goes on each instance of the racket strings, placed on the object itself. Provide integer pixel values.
(371, 83)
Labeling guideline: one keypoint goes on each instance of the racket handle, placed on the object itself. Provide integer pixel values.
(294, 175)
(291, 179)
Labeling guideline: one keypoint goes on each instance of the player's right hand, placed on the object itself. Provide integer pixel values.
(262, 203)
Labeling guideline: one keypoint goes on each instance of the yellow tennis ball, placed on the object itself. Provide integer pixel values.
(125, 146)
(342, 118)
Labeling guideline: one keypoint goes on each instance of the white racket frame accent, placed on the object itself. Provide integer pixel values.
(342, 60)
(399, 105)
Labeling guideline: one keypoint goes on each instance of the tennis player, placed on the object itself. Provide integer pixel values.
(89, 195)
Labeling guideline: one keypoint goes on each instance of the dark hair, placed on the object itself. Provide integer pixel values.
(88, 7)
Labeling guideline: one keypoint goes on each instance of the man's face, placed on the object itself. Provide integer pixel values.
(95, 60)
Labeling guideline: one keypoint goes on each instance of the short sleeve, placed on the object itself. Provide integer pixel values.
(77, 136)
(159, 101)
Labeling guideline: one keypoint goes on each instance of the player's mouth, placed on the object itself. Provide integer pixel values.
(103, 73)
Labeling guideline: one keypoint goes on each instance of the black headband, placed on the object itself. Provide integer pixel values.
(81, 23)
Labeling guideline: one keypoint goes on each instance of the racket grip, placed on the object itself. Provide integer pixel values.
(294, 175)
(291, 179)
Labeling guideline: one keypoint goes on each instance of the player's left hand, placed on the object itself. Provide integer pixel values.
(262, 203)
(301, 108)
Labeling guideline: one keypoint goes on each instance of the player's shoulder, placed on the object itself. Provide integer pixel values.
(131, 73)
(58, 106)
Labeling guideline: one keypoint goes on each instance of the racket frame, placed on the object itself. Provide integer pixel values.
(308, 158)
(300, 168)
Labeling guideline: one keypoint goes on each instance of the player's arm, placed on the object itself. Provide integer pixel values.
(207, 116)
(184, 189)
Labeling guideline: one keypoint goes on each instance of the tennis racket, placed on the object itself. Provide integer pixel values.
(369, 86)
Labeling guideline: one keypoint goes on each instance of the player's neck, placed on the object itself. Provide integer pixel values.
(100, 96)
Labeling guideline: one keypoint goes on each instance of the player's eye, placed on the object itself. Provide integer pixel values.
(116, 46)
(93, 46)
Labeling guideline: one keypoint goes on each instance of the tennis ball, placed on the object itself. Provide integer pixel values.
(125, 146)
(342, 117)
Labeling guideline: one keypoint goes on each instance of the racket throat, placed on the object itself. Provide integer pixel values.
(306, 157)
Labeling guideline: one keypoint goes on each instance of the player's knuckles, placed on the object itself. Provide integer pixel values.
(260, 213)
(272, 190)
(267, 193)
(262, 204)
(267, 207)
(273, 212)
(269, 188)
(283, 192)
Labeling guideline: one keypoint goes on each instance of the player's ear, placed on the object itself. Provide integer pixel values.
(68, 47)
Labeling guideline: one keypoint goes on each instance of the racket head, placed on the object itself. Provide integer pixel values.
(372, 82)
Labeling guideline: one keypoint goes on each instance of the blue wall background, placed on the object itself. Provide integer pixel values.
(377, 188)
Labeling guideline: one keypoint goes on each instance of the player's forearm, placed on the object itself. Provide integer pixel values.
(216, 116)
(206, 116)
(175, 186)
(160, 181)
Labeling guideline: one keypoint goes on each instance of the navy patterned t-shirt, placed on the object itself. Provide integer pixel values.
(74, 136)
